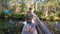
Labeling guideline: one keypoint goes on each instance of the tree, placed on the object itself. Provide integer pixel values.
(22, 5)
(50, 4)
(4, 3)
(35, 4)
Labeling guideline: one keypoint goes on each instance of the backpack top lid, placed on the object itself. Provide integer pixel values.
(30, 8)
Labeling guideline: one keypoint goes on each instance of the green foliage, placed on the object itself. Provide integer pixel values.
(4, 25)
(22, 6)
(59, 15)
(40, 14)
(17, 16)
(53, 3)
(51, 17)
(0, 12)
(20, 15)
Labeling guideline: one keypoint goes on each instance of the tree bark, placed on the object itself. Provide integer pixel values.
(46, 11)
(55, 9)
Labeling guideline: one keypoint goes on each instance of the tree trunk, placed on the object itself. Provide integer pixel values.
(36, 5)
(55, 9)
(40, 8)
(17, 9)
(29, 3)
(46, 11)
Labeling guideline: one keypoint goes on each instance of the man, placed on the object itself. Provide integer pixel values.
(29, 28)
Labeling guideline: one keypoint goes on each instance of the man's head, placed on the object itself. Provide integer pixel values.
(30, 8)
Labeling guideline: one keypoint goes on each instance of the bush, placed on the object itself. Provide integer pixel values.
(5, 26)
(51, 17)
(58, 15)
(17, 16)
(9, 14)
(40, 14)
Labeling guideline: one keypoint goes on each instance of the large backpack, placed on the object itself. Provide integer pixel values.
(28, 15)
